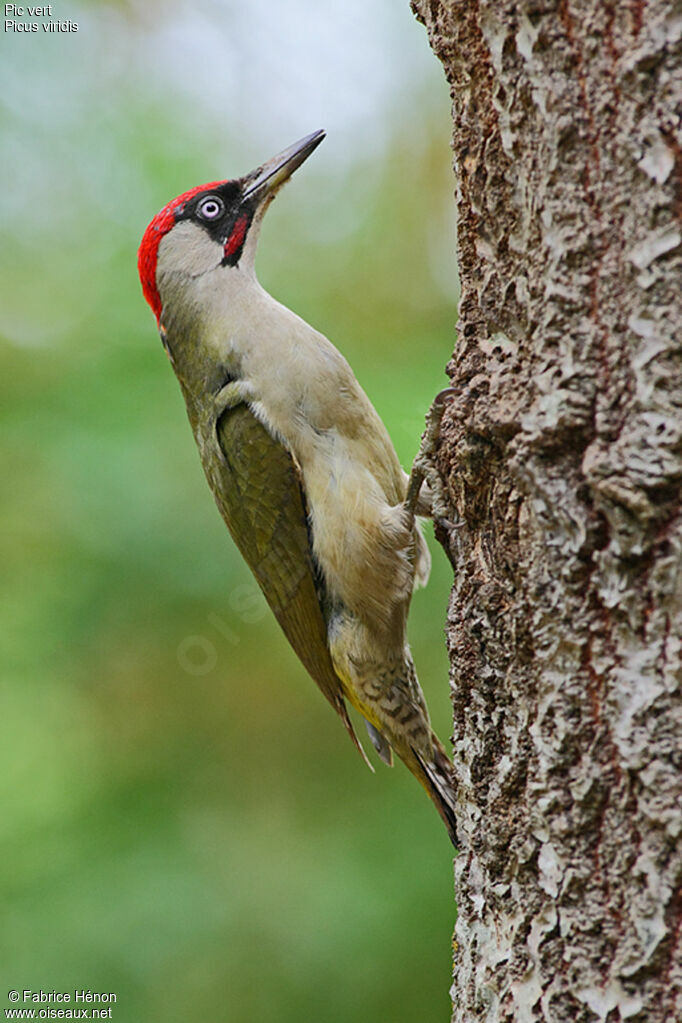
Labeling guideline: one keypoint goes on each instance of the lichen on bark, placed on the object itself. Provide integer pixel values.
(562, 462)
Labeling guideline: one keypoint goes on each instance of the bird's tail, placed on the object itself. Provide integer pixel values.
(437, 777)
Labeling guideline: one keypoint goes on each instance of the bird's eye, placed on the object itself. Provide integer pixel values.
(210, 208)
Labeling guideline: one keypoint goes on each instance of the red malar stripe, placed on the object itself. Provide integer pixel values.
(236, 239)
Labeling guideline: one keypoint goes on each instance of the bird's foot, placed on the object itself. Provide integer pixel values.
(425, 495)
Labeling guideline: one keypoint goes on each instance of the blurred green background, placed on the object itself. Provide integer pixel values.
(184, 821)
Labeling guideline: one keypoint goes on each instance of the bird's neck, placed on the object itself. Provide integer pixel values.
(208, 323)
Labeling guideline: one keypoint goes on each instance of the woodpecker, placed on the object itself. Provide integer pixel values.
(301, 466)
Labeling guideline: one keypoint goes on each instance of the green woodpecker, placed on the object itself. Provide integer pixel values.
(300, 464)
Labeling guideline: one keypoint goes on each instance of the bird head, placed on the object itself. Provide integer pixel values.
(214, 225)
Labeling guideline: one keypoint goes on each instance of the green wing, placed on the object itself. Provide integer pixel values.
(260, 496)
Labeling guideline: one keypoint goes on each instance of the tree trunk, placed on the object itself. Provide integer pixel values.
(561, 458)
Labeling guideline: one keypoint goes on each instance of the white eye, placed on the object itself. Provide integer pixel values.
(210, 208)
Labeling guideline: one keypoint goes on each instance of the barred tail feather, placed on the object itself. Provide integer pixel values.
(437, 779)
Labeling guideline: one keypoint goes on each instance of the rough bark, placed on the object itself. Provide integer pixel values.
(562, 463)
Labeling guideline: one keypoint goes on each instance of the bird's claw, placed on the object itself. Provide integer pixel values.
(445, 396)
(423, 467)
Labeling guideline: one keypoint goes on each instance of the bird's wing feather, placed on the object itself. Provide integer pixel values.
(261, 499)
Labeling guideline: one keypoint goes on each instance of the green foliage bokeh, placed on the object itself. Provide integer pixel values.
(184, 821)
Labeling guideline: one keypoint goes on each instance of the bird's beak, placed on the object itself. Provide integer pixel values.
(264, 181)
